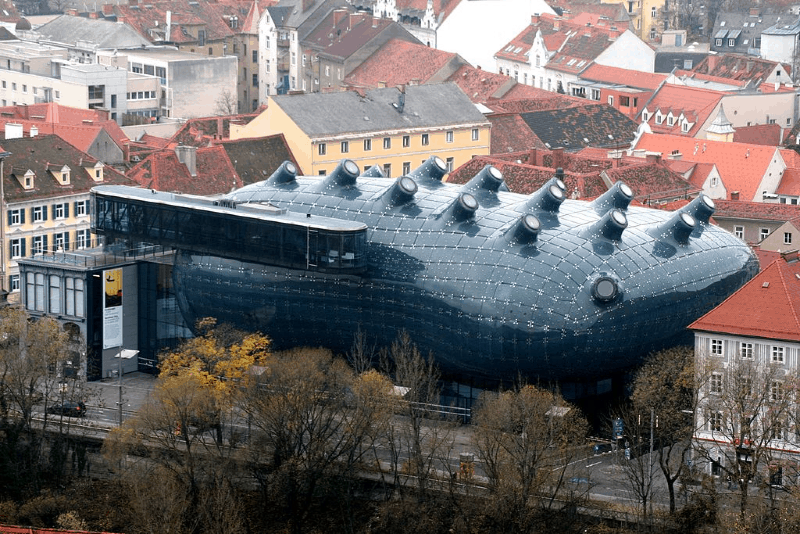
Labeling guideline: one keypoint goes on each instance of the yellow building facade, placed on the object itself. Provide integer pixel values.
(369, 135)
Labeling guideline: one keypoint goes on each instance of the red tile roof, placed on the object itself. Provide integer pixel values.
(772, 301)
(762, 211)
(738, 67)
(740, 166)
(511, 134)
(765, 257)
(581, 49)
(398, 62)
(186, 17)
(202, 131)
(790, 183)
(652, 182)
(342, 36)
(759, 134)
(692, 75)
(627, 77)
(694, 103)
(480, 85)
(162, 171)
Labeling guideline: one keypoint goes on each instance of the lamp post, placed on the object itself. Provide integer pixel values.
(126, 354)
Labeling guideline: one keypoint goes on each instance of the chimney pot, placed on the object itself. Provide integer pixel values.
(734, 195)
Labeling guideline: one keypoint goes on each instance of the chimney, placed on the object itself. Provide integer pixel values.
(712, 62)
(93, 15)
(401, 100)
(381, 84)
(188, 156)
(13, 130)
(535, 19)
(34, 131)
(558, 157)
(653, 158)
(557, 23)
(755, 12)
(338, 15)
(356, 19)
(108, 9)
(168, 29)
(375, 21)
(734, 195)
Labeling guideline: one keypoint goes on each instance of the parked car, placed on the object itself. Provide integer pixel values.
(68, 408)
(601, 448)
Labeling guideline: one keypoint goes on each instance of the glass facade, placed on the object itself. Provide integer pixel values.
(492, 283)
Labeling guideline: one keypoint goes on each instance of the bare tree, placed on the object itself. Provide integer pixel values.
(361, 353)
(226, 104)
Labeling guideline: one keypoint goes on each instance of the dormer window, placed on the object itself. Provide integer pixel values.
(27, 180)
(645, 116)
(96, 172)
(670, 120)
(659, 118)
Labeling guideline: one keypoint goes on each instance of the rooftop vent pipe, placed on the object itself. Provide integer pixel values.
(488, 179)
(285, 174)
(619, 197)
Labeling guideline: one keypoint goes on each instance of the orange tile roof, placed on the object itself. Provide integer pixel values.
(697, 104)
(398, 62)
(709, 78)
(791, 157)
(772, 301)
(511, 134)
(790, 183)
(627, 77)
(738, 67)
(740, 166)
(760, 211)
(759, 134)
(765, 257)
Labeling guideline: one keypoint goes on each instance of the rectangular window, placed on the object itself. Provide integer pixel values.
(425, 140)
(715, 386)
(448, 136)
(738, 231)
(17, 247)
(777, 354)
(717, 42)
(746, 351)
(322, 149)
(776, 390)
(39, 244)
(787, 238)
(81, 208)
(82, 238)
(16, 217)
(24, 88)
(39, 213)
(763, 233)
(475, 133)
(714, 421)
(406, 167)
(345, 147)
(406, 141)
(96, 92)
(731, 42)
(716, 347)
(60, 211)
(73, 293)
(387, 170)
(387, 143)
(55, 294)
(61, 242)
(449, 164)
(624, 101)
(255, 55)
(255, 80)
(367, 145)
(13, 282)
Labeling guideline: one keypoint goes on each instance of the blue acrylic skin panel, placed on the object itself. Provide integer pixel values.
(491, 283)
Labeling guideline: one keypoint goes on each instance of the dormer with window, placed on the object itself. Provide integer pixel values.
(659, 117)
(95, 171)
(26, 180)
(60, 173)
(670, 119)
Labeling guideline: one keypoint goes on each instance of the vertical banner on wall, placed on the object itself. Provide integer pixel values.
(112, 308)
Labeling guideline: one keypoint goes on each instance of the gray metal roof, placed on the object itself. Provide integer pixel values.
(784, 29)
(426, 106)
(69, 30)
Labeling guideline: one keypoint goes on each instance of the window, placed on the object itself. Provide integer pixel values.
(652, 33)
(475, 134)
(714, 421)
(73, 301)
(303, 60)
(645, 116)
(96, 92)
(294, 59)
(611, 100)
(17, 247)
(13, 86)
(39, 244)
(738, 231)
(82, 238)
(16, 217)
(715, 385)
(55, 294)
(327, 70)
(60, 211)
(4, 84)
(624, 101)
(716, 347)
(255, 53)
(387, 144)
(777, 354)
(763, 233)
(425, 140)
(61, 241)
(34, 289)
(449, 164)
(653, 12)
(757, 42)
(367, 145)
(387, 170)
(448, 136)
(322, 149)
(670, 120)
(746, 385)
(13, 282)
(731, 42)
(345, 147)
(406, 141)
(688, 64)
(787, 238)
(685, 127)
(39, 213)
(255, 80)
(25, 87)
(776, 390)
(406, 167)
(210, 51)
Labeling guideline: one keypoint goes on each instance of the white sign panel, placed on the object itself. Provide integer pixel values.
(112, 308)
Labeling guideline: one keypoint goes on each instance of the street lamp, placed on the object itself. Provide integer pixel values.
(126, 354)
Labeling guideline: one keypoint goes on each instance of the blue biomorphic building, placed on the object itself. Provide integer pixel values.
(494, 284)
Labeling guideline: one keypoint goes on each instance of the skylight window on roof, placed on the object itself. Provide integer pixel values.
(582, 63)
(509, 48)
(745, 41)
(517, 50)
(571, 62)
(722, 24)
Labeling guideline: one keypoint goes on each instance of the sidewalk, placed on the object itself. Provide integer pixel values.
(136, 387)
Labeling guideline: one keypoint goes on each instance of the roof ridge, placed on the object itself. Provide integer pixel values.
(786, 290)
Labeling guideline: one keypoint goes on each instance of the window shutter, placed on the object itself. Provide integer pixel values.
(23, 240)
(66, 210)
(75, 207)
(53, 211)
(44, 243)
(66, 241)
(22, 216)
(44, 212)
(9, 217)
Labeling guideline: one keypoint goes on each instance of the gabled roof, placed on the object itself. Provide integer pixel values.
(759, 211)
(107, 35)
(695, 104)
(790, 183)
(759, 134)
(39, 154)
(772, 301)
(480, 85)
(627, 77)
(738, 67)
(652, 181)
(341, 35)
(202, 131)
(255, 159)
(511, 134)
(163, 171)
(740, 166)
(150, 19)
(398, 62)
(575, 128)
(581, 49)
(431, 105)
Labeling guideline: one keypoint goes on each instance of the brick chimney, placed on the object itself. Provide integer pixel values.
(356, 19)
(338, 16)
(755, 12)
(558, 157)
(535, 19)
(712, 62)
(188, 156)
(557, 23)
(653, 158)
(108, 9)
(734, 195)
